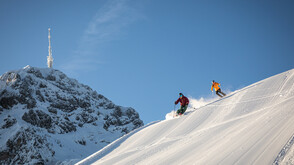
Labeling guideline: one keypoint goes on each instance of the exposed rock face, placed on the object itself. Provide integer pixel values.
(24, 147)
(44, 114)
(38, 118)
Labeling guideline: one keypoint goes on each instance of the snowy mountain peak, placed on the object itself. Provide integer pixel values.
(47, 117)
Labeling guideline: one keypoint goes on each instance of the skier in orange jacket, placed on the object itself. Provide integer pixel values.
(217, 89)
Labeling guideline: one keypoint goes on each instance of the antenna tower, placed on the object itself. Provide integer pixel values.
(49, 57)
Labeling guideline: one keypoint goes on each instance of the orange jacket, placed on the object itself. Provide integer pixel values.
(215, 85)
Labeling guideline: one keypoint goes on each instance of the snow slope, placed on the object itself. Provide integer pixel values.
(253, 125)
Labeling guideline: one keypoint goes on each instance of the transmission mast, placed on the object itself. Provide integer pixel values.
(49, 57)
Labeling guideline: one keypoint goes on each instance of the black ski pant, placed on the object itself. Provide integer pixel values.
(220, 91)
(182, 109)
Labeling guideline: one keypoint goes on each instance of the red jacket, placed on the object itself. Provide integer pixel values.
(183, 100)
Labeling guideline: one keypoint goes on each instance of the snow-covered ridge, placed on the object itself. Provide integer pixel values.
(253, 125)
(47, 118)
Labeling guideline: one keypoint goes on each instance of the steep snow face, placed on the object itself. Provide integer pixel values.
(47, 117)
(254, 125)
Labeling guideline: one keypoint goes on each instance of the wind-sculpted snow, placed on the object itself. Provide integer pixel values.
(47, 118)
(253, 125)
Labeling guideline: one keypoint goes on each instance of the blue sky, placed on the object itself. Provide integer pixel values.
(142, 53)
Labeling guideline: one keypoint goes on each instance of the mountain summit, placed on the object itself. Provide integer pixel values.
(253, 125)
(47, 118)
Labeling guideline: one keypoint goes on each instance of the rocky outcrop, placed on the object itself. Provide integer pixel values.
(28, 141)
(38, 118)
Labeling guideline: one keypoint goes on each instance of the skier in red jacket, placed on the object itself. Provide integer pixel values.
(184, 104)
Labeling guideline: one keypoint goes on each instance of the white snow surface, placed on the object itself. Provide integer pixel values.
(253, 125)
